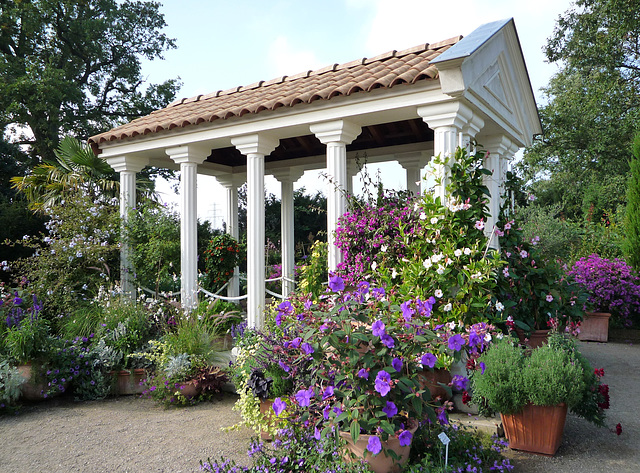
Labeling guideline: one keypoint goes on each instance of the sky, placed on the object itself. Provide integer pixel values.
(225, 44)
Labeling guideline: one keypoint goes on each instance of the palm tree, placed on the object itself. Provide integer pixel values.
(76, 168)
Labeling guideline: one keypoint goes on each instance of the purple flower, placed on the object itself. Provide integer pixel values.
(336, 283)
(363, 287)
(383, 383)
(328, 392)
(364, 374)
(407, 310)
(378, 293)
(456, 342)
(460, 383)
(374, 445)
(278, 406)
(482, 367)
(307, 349)
(474, 339)
(405, 438)
(387, 340)
(284, 366)
(428, 359)
(286, 308)
(377, 328)
(304, 397)
(442, 415)
(295, 343)
(397, 364)
(390, 409)
(278, 319)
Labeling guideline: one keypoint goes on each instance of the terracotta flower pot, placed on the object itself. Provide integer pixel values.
(536, 429)
(32, 388)
(429, 380)
(269, 415)
(380, 463)
(189, 389)
(537, 338)
(595, 327)
(128, 381)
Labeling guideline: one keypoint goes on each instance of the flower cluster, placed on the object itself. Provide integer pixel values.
(612, 286)
(222, 255)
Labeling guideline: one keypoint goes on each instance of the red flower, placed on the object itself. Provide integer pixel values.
(466, 399)
(618, 429)
(599, 372)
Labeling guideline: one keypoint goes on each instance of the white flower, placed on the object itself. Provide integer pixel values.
(440, 269)
(487, 337)
(477, 275)
(427, 263)
(374, 265)
(448, 261)
(383, 248)
(523, 254)
(434, 220)
(423, 216)
(467, 251)
(499, 306)
(437, 258)
(458, 252)
(394, 273)
(438, 293)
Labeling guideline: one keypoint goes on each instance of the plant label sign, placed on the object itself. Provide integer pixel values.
(444, 439)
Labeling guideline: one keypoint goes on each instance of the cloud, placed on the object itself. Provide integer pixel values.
(285, 59)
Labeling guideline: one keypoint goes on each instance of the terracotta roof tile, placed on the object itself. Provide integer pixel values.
(359, 76)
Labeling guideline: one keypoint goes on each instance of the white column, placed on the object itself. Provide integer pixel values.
(255, 148)
(127, 167)
(188, 157)
(500, 149)
(412, 163)
(336, 135)
(448, 120)
(352, 170)
(287, 241)
(231, 183)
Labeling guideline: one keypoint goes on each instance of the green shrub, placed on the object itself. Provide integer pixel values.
(222, 255)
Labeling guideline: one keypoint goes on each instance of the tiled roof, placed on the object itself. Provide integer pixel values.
(360, 76)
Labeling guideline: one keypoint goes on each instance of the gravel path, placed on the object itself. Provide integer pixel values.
(128, 434)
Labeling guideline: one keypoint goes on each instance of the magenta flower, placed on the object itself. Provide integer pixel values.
(456, 342)
(405, 438)
(374, 445)
(278, 406)
(428, 359)
(390, 409)
(383, 383)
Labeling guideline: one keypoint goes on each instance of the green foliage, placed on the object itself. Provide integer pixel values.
(513, 377)
(632, 215)
(593, 108)
(153, 233)
(194, 337)
(78, 256)
(75, 66)
(222, 255)
(29, 341)
(10, 382)
(314, 272)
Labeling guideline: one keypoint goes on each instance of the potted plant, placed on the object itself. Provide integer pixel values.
(533, 389)
(366, 353)
(614, 289)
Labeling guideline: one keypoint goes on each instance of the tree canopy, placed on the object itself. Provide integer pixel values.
(74, 67)
(593, 108)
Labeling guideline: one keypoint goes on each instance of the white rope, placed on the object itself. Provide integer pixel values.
(280, 296)
(224, 298)
(163, 294)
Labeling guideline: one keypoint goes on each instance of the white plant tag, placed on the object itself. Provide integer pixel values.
(444, 439)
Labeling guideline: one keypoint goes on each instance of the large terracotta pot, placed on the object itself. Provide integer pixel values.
(269, 415)
(595, 327)
(189, 389)
(380, 463)
(536, 429)
(429, 379)
(537, 338)
(32, 388)
(128, 381)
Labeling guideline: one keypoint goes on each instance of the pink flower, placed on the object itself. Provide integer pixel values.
(549, 298)
(479, 224)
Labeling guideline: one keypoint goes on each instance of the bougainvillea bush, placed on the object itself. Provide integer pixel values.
(612, 285)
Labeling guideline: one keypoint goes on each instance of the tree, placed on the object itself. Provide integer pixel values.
(632, 216)
(73, 67)
(593, 108)
(76, 168)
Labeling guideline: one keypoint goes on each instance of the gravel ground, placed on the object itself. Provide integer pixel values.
(128, 434)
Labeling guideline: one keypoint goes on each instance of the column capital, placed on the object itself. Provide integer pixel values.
(128, 163)
(337, 131)
(412, 160)
(449, 114)
(188, 154)
(287, 174)
(231, 180)
(255, 144)
(500, 145)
